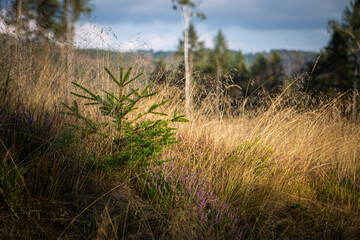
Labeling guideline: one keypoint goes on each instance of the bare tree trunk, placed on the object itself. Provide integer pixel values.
(356, 75)
(191, 62)
(188, 82)
(218, 92)
(7, 12)
(18, 18)
(67, 4)
(18, 32)
(191, 65)
(67, 8)
(18, 25)
(70, 35)
(72, 27)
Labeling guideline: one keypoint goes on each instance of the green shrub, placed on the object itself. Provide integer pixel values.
(136, 139)
(12, 188)
(255, 155)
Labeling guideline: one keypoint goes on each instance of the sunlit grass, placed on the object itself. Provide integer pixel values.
(284, 171)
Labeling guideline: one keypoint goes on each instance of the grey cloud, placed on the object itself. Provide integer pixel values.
(249, 14)
(278, 14)
(137, 11)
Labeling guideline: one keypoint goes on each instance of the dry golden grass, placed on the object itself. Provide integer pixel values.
(295, 173)
(314, 168)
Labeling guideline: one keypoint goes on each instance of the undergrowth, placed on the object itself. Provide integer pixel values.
(116, 166)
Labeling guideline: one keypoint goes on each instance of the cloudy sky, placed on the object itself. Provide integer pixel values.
(249, 25)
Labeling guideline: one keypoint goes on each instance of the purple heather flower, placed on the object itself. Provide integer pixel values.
(187, 185)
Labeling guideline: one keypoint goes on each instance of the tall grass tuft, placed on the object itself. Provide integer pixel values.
(272, 167)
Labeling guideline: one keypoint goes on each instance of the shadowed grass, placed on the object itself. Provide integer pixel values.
(280, 171)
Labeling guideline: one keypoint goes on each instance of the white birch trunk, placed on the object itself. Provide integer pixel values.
(218, 91)
(67, 5)
(68, 45)
(188, 83)
(18, 30)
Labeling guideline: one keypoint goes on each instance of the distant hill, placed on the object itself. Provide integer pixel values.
(293, 61)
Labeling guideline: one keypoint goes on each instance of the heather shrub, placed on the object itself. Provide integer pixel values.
(184, 189)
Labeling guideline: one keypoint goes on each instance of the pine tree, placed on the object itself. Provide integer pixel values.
(159, 75)
(221, 61)
(338, 68)
(260, 71)
(275, 65)
(352, 23)
(340, 64)
(222, 56)
(50, 16)
(275, 71)
(47, 15)
(240, 75)
(73, 9)
(14, 13)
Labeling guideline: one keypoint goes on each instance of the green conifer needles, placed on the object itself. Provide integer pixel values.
(134, 138)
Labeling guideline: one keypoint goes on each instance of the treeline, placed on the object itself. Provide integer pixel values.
(337, 69)
(215, 68)
(335, 73)
(50, 19)
(293, 61)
